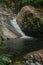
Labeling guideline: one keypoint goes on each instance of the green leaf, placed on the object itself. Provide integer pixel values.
(1, 63)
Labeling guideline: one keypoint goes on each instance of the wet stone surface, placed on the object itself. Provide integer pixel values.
(27, 62)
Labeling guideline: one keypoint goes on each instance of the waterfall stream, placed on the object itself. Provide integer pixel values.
(16, 26)
(18, 29)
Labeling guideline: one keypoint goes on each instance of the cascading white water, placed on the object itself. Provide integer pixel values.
(16, 26)
(18, 29)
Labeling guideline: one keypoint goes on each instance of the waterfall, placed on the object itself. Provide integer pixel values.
(16, 26)
(18, 29)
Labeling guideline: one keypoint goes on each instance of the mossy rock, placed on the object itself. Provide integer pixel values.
(31, 21)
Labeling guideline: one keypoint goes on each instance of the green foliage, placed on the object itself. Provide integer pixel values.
(31, 2)
(37, 3)
(5, 59)
(1, 63)
(21, 3)
(0, 0)
(2, 44)
(32, 23)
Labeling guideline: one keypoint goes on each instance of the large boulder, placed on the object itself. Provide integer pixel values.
(30, 20)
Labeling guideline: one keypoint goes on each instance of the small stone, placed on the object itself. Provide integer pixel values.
(27, 62)
(37, 63)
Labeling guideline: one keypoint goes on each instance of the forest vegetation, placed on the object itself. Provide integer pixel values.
(29, 14)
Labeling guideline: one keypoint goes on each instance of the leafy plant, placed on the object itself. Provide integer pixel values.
(1, 63)
(5, 59)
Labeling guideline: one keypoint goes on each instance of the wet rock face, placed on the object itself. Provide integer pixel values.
(7, 34)
(31, 21)
(7, 31)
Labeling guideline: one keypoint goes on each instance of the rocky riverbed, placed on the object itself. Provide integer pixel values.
(7, 32)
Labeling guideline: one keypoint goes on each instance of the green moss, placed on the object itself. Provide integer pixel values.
(29, 22)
